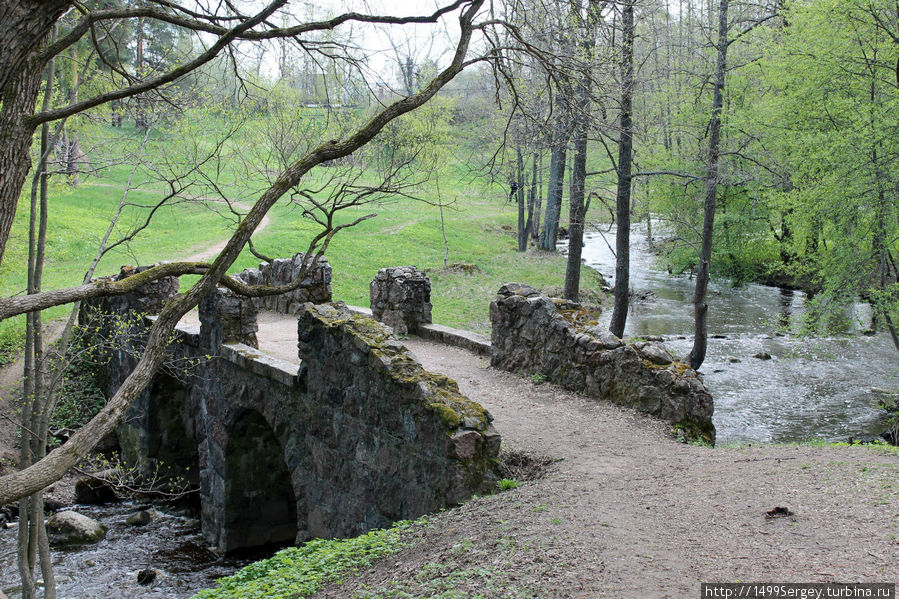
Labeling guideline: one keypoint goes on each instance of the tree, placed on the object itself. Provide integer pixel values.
(582, 121)
(830, 83)
(623, 172)
(24, 63)
(700, 307)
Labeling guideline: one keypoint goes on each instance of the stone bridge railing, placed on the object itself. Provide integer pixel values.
(535, 334)
(315, 287)
(353, 436)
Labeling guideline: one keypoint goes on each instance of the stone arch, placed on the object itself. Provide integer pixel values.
(260, 506)
(171, 439)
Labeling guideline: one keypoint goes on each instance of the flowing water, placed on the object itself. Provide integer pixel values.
(823, 387)
(171, 545)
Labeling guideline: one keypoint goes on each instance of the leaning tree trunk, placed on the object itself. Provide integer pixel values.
(625, 160)
(700, 308)
(47, 470)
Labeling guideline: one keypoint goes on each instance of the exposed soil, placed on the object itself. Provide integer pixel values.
(629, 512)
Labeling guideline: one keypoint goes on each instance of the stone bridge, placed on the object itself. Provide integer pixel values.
(350, 435)
(348, 432)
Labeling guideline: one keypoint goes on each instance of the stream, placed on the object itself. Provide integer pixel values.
(823, 387)
(171, 545)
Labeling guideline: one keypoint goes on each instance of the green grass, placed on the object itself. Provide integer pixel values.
(407, 232)
(507, 484)
(480, 228)
(298, 572)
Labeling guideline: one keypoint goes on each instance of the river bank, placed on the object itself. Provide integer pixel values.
(799, 388)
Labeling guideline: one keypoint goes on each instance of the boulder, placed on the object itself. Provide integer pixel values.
(762, 355)
(656, 354)
(72, 528)
(142, 518)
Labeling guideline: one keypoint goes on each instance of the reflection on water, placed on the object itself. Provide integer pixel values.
(821, 387)
(171, 545)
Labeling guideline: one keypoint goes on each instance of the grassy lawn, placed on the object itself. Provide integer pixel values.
(479, 227)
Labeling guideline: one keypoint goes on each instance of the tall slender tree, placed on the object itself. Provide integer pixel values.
(700, 307)
(623, 172)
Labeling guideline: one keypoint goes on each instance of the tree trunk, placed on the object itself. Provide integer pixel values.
(625, 159)
(519, 172)
(15, 143)
(538, 195)
(577, 211)
(26, 23)
(554, 194)
(700, 308)
(532, 198)
(35, 412)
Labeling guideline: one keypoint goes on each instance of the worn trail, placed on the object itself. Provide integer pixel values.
(629, 512)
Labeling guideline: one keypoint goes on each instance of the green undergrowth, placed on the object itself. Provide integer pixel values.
(298, 572)
(12, 339)
(875, 446)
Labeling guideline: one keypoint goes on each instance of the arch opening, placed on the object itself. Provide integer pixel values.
(260, 504)
(171, 441)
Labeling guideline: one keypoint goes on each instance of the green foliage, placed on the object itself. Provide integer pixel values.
(12, 339)
(79, 397)
(507, 484)
(298, 572)
(890, 405)
(538, 379)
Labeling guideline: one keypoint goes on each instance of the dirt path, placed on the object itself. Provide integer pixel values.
(211, 251)
(629, 512)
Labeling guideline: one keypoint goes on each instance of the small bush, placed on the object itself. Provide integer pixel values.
(507, 484)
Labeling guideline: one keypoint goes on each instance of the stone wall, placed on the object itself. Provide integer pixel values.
(401, 298)
(535, 334)
(315, 288)
(353, 437)
(226, 317)
(408, 442)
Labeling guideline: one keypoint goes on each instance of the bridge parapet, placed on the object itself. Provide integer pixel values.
(555, 338)
(409, 441)
(401, 298)
(315, 287)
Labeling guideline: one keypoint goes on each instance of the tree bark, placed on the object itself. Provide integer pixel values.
(532, 199)
(625, 160)
(15, 143)
(522, 231)
(554, 191)
(700, 307)
(577, 210)
(26, 23)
